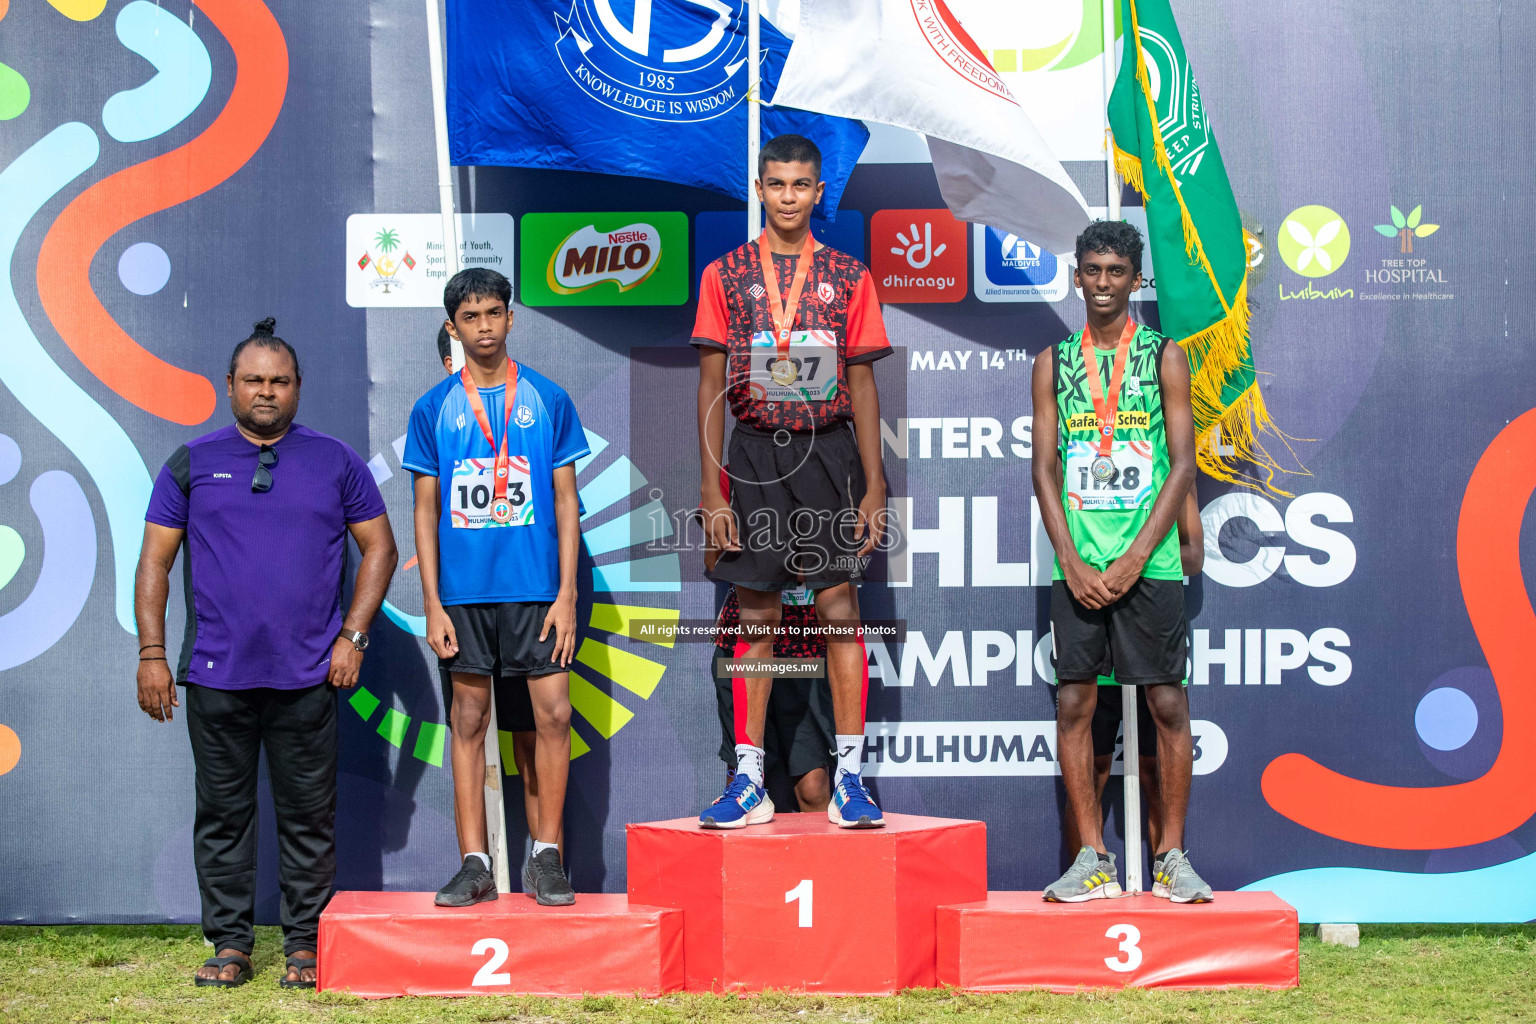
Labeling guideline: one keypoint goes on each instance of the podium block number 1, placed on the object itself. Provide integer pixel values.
(487, 974)
(1129, 935)
(804, 893)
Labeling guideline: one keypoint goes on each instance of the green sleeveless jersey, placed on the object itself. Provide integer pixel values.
(1105, 515)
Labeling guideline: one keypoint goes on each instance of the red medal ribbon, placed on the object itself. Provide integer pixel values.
(784, 312)
(1105, 407)
(503, 460)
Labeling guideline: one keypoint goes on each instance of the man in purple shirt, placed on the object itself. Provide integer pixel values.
(261, 509)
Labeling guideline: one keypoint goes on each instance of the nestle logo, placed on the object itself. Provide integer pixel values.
(222, 476)
(625, 237)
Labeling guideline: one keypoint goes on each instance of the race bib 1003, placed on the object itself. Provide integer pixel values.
(811, 374)
(473, 486)
(1117, 482)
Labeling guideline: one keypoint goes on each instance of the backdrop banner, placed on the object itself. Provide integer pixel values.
(1365, 707)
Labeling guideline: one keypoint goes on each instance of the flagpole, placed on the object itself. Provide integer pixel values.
(1131, 745)
(495, 810)
(754, 118)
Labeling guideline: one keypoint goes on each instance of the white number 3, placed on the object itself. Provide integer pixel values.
(1129, 935)
(487, 974)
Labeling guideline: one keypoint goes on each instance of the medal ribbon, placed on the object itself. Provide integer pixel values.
(1106, 407)
(784, 313)
(503, 460)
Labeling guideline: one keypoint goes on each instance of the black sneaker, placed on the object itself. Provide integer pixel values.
(550, 886)
(475, 883)
(529, 885)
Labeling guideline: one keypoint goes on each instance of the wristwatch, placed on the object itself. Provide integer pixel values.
(359, 639)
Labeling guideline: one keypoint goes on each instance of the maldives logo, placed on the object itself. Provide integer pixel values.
(1406, 229)
(956, 48)
(588, 257)
(1314, 241)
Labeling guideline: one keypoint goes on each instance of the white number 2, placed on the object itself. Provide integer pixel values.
(1129, 935)
(487, 974)
(803, 892)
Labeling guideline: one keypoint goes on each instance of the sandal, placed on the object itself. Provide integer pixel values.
(303, 963)
(243, 972)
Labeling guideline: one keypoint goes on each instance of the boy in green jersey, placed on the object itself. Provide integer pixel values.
(1116, 398)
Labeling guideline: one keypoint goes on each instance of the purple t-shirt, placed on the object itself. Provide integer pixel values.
(263, 570)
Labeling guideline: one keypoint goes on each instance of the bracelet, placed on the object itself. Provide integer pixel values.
(148, 646)
(152, 659)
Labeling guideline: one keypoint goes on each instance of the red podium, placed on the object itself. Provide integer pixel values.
(399, 944)
(1016, 940)
(801, 904)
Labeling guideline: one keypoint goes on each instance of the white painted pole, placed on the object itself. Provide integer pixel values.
(1132, 742)
(754, 119)
(495, 810)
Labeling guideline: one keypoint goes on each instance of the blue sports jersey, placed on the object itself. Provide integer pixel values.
(480, 562)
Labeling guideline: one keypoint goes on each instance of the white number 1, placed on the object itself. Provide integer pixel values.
(805, 894)
(1129, 935)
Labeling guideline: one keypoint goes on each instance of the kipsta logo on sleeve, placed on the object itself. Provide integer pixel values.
(605, 259)
(672, 61)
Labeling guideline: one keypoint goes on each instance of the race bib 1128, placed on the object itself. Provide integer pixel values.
(1124, 484)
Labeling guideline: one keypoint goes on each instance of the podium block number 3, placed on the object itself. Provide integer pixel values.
(488, 974)
(1129, 935)
(804, 893)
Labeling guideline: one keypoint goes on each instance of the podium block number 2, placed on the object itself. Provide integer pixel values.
(487, 974)
(804, 893)
(1129, 935)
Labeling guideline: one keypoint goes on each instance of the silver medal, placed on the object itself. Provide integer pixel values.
(1102, 469)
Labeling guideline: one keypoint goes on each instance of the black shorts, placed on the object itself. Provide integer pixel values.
(798, 737)
(1109, 713)
(514, 705)
(1143, 638)
(501, 636)
(796, 498)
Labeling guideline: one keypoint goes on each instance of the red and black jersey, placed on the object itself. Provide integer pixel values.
(838, 296)
(797, 640)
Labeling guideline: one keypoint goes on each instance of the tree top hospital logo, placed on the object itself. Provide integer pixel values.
(956, 48)
(1314, 241)
(673, 60)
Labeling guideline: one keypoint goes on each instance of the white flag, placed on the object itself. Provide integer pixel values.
(909, 63)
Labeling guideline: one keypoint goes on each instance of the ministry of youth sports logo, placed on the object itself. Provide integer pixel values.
(675, 60)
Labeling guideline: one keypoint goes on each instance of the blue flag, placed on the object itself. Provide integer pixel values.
(651, 88)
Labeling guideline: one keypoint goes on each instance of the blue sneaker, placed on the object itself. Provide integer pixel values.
(743, 803)
(852, 806)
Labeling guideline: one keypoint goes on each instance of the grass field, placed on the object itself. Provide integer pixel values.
(1400, 973)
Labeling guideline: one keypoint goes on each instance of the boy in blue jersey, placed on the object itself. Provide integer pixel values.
(498, 526)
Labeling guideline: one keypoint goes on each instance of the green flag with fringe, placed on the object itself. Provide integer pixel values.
(1165, 148)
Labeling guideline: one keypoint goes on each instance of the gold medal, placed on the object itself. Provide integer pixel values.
(783, 372)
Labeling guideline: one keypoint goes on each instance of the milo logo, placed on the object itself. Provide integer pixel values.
(604, 259)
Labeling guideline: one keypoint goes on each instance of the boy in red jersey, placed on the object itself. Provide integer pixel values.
(790, 351)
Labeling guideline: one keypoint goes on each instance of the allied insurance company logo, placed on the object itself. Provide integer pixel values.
(605, 259)
(664, 62)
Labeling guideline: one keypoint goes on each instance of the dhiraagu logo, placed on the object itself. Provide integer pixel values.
(611, 676)
(1314, 241)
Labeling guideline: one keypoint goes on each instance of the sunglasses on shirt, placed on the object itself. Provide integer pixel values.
(265, 460)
